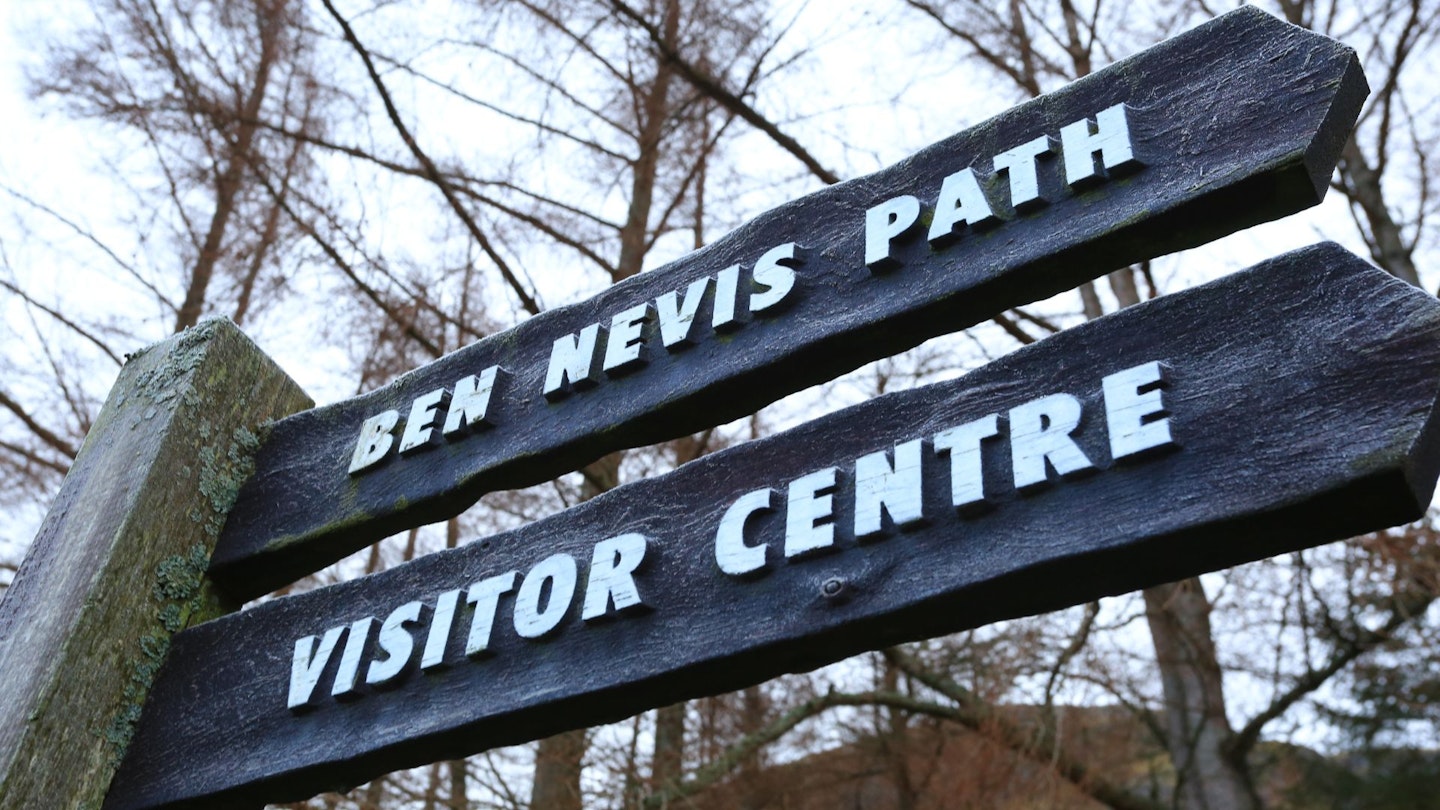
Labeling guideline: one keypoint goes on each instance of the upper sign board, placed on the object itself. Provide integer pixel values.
(1236, 122)
(1274, 409)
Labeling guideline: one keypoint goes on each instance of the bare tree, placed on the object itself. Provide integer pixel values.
(173, 90)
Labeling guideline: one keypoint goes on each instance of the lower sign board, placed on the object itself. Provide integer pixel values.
(1284, 406)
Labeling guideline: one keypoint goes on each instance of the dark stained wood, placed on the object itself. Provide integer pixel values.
(1301, 395)
(119, 563)
(1237, 122)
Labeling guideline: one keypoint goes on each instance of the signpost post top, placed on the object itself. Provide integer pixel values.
(117, 566)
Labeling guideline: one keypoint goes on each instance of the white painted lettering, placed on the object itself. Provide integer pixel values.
(1109, 138)
(1135, 414)
(441, 620)
(543, 602)
(961, 201)
(896, 491)
(552, 580)
(1020, 165)
(776, 274)
(470, 402)
(809, 513)
(572, 363)
(396, 643)
(625, 350)
(308, 664)
(1040, 433)
(612, 576)
(885, 222)
(375, 440)
(485, 597)
(420, 425)
(723, 316)
(677, 318)
(962, 442)
(731, 553)
(355, 641)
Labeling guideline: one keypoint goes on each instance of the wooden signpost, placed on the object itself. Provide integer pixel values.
(119, 563)
(1284, 406)
(1236, 122)
(1137, 449)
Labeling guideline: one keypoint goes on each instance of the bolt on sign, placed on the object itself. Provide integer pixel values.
(1283, 406)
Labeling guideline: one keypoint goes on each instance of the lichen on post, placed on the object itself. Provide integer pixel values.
(119, 563)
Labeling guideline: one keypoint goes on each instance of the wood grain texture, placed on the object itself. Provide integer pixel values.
(118, 564)
(1238, 121)
(1301, 395)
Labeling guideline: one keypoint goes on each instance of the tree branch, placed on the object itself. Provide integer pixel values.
(64, 321)
(1043, 323)
(34, 458)
(1403, 611)
(513, 116)
(1013, 329)
(735, 754)
(1040, 746)
(1025, 80)
(94, 240)
(432, 172)
(40, 431)
(309, 230)
(711, 87)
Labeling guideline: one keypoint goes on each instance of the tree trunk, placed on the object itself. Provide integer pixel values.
(668, 765)
(894, 738)
(560, 759)
(1198, 734)
(654, 111)
(374, 795)
(269, 235)
(227, 184)
(1360, 179)
(752, 717)
(1361, 183)
(558, 762)
(459, 792)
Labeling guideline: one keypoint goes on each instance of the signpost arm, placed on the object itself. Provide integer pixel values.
(1106, 458)
(1234, 123)
(117, 567)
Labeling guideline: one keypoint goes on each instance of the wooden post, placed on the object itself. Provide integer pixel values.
(118, 566)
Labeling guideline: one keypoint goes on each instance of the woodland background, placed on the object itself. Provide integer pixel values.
(364, 186)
